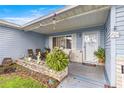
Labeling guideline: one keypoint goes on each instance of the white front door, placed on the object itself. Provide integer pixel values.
(90, 44)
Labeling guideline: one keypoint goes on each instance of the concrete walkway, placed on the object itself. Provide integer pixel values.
(82, 76)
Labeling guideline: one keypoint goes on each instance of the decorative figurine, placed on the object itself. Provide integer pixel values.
(25, 59)
(38, 57)
(29, 59)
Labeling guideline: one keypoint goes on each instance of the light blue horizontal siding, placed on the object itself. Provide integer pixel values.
(79, 32)
(120, 29)
(14, 43)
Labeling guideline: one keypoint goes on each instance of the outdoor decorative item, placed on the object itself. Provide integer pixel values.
(29, 59)
(25, 59)
(100, 54)
(51, 81)
(38, 57)
(57, 60)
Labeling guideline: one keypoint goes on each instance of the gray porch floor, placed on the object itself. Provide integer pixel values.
(82, 76)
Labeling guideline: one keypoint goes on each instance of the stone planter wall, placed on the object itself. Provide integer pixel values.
(42, 68)
(119, 75)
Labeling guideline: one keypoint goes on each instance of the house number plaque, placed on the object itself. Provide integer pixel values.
(114, 34)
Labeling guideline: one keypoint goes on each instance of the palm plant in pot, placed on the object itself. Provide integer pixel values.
(100, 54)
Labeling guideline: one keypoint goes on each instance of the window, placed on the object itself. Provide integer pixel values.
(64, 42)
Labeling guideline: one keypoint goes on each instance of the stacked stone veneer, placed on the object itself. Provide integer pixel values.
(119, 75)
(44, 69)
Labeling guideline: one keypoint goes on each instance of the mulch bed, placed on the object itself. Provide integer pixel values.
(25, 73)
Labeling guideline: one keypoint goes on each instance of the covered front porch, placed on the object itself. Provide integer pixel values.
(79, 31)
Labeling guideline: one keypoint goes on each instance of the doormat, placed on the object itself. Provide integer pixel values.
(88, 64)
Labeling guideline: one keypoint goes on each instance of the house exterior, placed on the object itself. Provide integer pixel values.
(82, 29)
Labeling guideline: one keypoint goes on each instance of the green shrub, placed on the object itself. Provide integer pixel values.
(57, 60)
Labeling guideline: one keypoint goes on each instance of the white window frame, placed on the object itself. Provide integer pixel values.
(51, 37)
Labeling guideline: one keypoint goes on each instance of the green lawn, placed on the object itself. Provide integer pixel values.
(15, 81)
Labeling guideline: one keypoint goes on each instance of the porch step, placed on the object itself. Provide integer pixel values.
(76, 81)
(89, 80)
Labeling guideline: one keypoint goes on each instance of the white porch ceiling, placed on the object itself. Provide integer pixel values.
(79, 17)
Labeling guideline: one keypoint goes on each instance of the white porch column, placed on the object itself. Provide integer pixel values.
(113, 48)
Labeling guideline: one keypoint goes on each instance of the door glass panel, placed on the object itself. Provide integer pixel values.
(87, 38)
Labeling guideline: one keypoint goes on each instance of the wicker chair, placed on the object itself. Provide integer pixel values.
(30, 53)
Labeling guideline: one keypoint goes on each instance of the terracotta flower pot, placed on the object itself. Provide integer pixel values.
(101, 60)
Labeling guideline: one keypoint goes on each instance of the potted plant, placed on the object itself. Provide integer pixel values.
(57, 60)
(100, 54)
